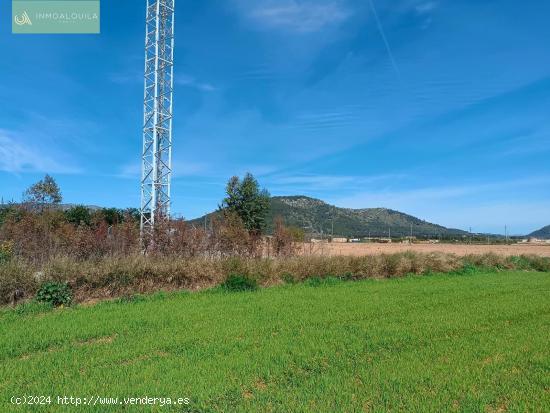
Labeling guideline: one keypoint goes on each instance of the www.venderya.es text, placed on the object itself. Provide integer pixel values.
(95, 400)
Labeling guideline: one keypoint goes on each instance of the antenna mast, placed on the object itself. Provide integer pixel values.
(156, 158)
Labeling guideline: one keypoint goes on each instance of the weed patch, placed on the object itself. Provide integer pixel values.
(55, 293)
(239, 283)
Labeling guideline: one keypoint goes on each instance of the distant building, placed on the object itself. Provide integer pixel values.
(533, 240)
(378, 240)
(339, 239)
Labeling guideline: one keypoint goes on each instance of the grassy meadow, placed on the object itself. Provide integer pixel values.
(476, 341)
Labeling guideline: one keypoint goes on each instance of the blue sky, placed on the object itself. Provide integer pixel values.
(437, 108)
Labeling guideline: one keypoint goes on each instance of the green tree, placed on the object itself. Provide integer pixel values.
(44, 192)
(79, 215)
(7, 211)
(112, 216)
(248, 201)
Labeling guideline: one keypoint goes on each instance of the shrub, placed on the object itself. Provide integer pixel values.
(323, 281)
(314, 281)
(239, 283)
(16, 281)
(530, 262)
(78, 215)
(467, 269)
(490, 260)
(283, 242)
(55, 293)
(288, 278)
(347, 276)
(6, 251)
(297, 234)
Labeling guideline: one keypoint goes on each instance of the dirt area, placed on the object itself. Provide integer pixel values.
(458, 249)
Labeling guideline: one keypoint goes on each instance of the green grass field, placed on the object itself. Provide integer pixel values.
(474, 343)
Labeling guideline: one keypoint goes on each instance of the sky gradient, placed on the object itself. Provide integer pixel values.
(440, 109)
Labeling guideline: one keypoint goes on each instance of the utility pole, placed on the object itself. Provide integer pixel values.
(156, 158)
(506, 233)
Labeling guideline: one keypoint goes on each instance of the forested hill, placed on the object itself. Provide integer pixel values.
(543, 233)
(306, 212)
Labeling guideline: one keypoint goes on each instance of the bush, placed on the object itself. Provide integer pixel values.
(347, 276)
(16, 281)
(314, 281)
(288, 278)
(55, 293)
(239, 283)
(530, 262)
(468, 269)
(6, 251)
(282, 240)
(78, 215)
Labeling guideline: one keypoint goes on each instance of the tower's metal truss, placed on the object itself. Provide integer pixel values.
(156, 170)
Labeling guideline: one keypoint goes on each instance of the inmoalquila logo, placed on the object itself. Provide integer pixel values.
(22, 19)
(55, 16)
(66, 16)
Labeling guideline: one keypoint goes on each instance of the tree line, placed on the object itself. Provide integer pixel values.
(39, 227)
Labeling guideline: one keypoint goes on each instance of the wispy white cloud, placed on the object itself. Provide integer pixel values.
(328, 119)
(401, 198)
(19, 157)
(126, 77)
(425, 10)
(182, 79)
(132, 170)
(312, 181)
(292, 182)
(536, 142)
(295, 15)
(425, 7)
(190, 81)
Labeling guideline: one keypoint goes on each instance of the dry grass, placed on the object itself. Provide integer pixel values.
(460, 249)
(100, 260)
(126, 275)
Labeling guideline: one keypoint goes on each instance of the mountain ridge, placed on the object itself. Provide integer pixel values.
(318, 217)
(543, 233)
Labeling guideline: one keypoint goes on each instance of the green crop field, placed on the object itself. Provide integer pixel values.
(475, 342)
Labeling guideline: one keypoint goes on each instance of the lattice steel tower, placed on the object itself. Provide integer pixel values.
(156, 170)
